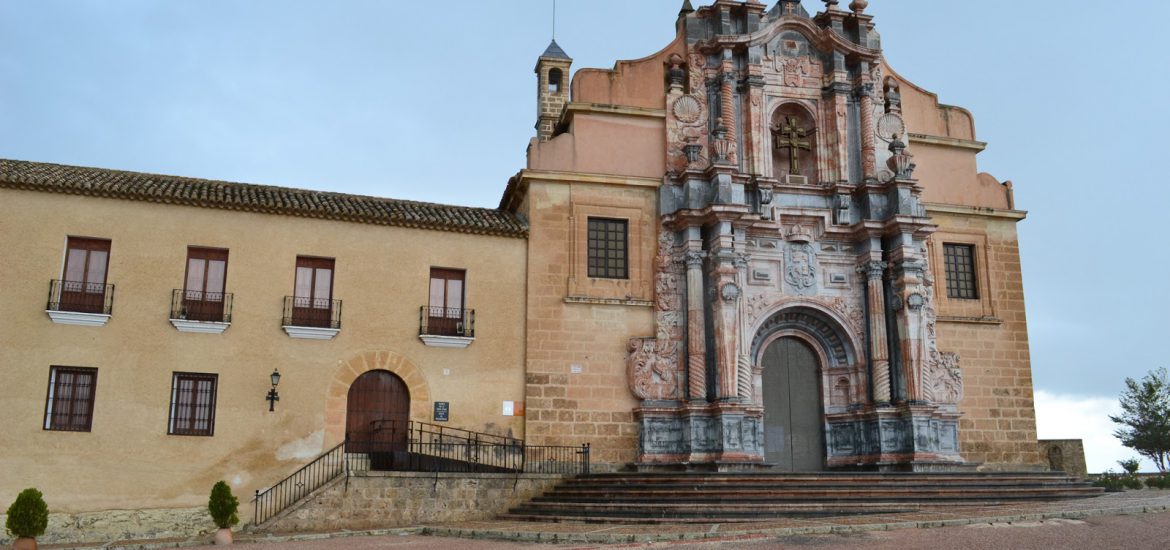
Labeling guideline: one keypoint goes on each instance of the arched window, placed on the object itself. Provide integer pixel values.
(554, 81)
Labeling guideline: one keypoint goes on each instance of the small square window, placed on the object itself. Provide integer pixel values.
(69, 406)
(960, 270)
(192, 404)
(608, 240)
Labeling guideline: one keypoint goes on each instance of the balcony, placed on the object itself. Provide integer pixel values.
(311, 318)
(205, 312)
(79, 303)
(446, 327)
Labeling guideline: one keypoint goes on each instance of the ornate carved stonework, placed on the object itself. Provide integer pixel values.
(800, 267)
(687, 109)
(652, 368)
(943, 380)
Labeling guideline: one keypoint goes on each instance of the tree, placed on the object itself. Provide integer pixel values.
(1145, 417)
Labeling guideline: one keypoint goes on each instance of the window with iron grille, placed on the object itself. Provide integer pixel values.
(608, 240)
(69, 406)
(192, 404)
(960, 267)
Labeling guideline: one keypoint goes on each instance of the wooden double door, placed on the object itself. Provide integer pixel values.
(794, 438)
(377, 414)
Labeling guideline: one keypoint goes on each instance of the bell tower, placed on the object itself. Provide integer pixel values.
(552, 89)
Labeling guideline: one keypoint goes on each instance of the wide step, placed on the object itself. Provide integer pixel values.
(737, 497)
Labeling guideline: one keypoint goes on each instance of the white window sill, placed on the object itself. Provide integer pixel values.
(204, 327)
(78, 318)
(445, 341)
(311, 333)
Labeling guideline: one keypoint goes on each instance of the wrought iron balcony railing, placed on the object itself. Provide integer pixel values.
(443, 321)
(311, 312)
(80, 297)
(194, 305)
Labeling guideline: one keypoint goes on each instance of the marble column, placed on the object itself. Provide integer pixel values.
(696, 328)
(878, 347)
(868, 147)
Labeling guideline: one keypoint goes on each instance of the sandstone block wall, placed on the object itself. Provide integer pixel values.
(1067, 455)
(115, 525)
(998, 427)
(379, 500)
(578, 328)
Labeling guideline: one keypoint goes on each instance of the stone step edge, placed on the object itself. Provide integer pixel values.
(609, 538)
(240, 538)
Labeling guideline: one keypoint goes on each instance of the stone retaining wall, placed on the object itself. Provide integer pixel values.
(115, 525)
(378, 500)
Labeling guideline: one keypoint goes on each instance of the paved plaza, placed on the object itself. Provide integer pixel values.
(1135, 520)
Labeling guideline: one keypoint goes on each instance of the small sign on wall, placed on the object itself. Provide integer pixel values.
(509, 408)
(442, 411)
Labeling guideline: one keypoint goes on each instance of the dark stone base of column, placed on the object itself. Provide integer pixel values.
(707, 436)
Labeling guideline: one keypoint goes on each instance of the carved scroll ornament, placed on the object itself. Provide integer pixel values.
(653, 368)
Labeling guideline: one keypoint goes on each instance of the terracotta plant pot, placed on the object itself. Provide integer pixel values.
(24, 544)
(223, 536)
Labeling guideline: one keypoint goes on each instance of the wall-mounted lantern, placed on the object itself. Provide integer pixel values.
(273, 397)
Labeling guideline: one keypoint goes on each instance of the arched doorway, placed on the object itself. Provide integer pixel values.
(794, 438)
(377, 412)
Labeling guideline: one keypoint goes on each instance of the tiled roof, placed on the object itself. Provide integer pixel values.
(117, 184)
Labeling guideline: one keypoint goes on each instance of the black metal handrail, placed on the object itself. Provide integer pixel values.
(300, 311)
(312, 476)
(427, 447)
(446, 321)
(80, 297)
(432, 449)
(195, 305)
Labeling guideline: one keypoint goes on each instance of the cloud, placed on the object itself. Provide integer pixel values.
(1069, 416)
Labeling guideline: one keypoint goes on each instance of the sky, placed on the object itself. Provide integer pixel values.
(435, 101)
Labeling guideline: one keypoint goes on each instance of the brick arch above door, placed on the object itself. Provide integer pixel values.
(349, 369)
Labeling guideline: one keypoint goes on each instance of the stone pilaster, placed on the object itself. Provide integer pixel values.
(696, 328)
(909, 301)
(724, 308)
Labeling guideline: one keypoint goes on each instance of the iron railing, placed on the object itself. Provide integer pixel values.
(446, 321)
(312, 476)
(194, 305)
(429, 448)
(311, 312)
(80, 297)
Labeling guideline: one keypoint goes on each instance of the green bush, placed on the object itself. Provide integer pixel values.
(28, 516)
(1130, 465)
(1112, 482)
(222, 506)
(1159, 482)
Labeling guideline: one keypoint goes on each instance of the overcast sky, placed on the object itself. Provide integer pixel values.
(435, 101)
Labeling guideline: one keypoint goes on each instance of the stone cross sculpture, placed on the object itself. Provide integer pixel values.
(791, 136)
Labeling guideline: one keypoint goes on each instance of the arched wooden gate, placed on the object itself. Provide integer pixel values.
(377, 413)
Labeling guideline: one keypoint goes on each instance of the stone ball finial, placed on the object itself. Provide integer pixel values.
(858, 6)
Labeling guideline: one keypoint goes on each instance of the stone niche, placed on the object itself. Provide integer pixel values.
(1064, 455)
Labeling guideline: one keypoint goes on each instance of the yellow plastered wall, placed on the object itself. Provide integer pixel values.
(128, 461)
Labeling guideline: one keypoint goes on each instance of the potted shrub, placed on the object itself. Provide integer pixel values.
(222, 506)
(27, 519)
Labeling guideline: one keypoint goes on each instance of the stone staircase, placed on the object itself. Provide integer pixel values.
(700, 497)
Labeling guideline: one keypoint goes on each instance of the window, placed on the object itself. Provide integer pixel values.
(69, 406)
(445, 306)
(192, 404)
(313, 292)
(607, 248)
(83, 283)
(960, 268)
(203, 296)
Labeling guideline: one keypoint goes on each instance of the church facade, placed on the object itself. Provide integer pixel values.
(759, 247)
